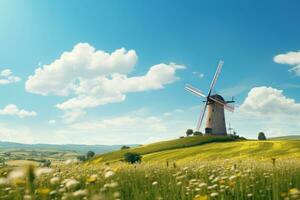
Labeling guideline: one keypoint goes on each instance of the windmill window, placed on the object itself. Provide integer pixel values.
(213, 110)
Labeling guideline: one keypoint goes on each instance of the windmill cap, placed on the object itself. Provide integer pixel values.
(217, 96)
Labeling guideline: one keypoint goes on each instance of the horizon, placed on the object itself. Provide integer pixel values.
(101, 73)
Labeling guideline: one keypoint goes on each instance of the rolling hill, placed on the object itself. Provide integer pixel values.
(80, 148)
(208, 148)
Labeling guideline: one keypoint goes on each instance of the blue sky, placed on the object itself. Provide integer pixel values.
(247, 35)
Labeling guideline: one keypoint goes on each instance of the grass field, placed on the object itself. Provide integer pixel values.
(193, 168)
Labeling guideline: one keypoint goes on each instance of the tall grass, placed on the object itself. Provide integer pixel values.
(198, 180)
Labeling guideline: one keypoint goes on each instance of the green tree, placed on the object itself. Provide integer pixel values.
(132, 157)
(261, 136)
(189, 132)
(90, 154)
(197, 133)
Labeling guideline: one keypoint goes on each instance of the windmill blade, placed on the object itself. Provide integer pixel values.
(213, 83)
(226, 106)
(201, 117)
(194, 91)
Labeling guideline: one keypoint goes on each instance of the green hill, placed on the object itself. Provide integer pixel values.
(208, 148)
(288, 137)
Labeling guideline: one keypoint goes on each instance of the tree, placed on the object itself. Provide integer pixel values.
(189, 132)
(125, 147)
(132, 157)
(90, 154)
(261, 136)
(198, 133)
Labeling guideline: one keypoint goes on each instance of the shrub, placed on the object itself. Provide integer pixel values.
(125, 147)
(132, 157)
(197, 133)
(90, 154)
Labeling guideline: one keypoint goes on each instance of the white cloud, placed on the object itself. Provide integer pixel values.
(266, 109)
(92, 78)
(13, 110)
(269, 101)
(290, 58)
(72, 115)
(83, 62)
(7, 77)
(103, 90)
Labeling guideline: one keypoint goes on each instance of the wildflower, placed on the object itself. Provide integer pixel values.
(54, 180)
(232, 177)
(114, 184)
(214, 194)
(294, 191)
(53, 192)
(201, 185)
(201, 197)
(43, 191)
(155, 183)
(249, 195)
(42, 171)
(92, 179)
(27, 197)
(117, 195)
(71, 184)
(109, 174)
(80, 193)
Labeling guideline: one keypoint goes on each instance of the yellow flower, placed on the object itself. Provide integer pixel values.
(221, 181)
(294, 191)
(43, 191)
(91, 179)
(201, 197)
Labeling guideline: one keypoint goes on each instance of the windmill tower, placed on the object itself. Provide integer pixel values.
(215, 105)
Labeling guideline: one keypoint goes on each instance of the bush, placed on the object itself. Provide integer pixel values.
(81, 158)
(90, 154)
(261, 136)
(125, 147)
(189, 132)
(132, 157)
(197, 133)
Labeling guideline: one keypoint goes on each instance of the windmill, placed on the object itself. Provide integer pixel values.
(215, 105)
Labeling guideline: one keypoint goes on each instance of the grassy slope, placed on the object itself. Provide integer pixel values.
(183, 150)
(289, 137)
(162, 146)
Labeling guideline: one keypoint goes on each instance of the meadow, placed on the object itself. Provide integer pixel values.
(194, 168)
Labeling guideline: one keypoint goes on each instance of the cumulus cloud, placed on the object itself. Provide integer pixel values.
(7, 77)
(93, 77)
(84, 61)
(290, 58)
(13, 110)
(269, 101)
(266, 109)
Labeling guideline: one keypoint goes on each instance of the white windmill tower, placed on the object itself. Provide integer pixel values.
(215, 104)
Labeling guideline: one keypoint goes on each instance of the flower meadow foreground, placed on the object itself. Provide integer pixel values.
(199, 180)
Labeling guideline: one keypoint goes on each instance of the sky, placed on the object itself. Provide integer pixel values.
(113, 72)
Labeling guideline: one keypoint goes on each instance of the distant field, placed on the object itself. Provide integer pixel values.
(20, 163)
